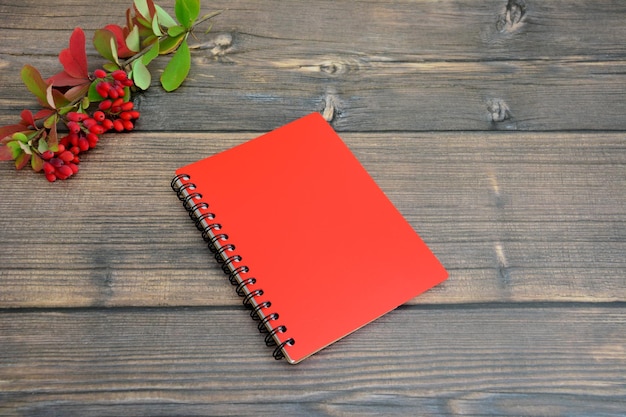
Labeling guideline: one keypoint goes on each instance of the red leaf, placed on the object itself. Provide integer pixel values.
(63, 79)
(5, 153)
(59, 99)
(36, 162)
(120, 36)
(27, 118)
(10, 129)
(74, 58)
(152, 9)
(22, 160)
(44, 114)
(33, 81)
(53, 139)
(76, 92)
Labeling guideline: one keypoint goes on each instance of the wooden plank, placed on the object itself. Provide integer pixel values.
(403, 66)
(514, 217)
(441, 30)
(384, 93)
(459, 361)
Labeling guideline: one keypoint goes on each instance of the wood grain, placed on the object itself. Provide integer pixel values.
(497, 129)
(514, 217)
(413, 66)
(210, 362)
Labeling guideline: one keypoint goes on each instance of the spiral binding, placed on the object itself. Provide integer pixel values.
(217, 243)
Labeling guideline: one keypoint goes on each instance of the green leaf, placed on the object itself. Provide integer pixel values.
(142, 7)
(164, 18)
(175, 31)
(156, 29)
(106, 44)
(187, 12)
(21, 137)
(50, 121)
(141, 75)
(132, 40)
(16, 149)
(93, 94)
(127, 94)
(42, 146)
(22, 160)
(152, 53)
(25, 147)
(110, 67)
(56, 98)
(177, 69)
(34, 82)
(36, 162)
(169, 45)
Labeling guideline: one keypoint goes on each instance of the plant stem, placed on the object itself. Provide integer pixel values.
(145, 50)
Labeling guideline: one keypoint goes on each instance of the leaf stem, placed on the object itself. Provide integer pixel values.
(145, 50)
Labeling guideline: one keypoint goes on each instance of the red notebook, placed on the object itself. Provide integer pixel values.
(310, 241)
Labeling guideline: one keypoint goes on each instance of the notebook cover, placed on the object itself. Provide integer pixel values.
(327, 247)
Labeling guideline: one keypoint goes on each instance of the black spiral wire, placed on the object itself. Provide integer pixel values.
(217, 244)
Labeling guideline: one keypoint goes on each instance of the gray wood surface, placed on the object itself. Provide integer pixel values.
(497, 129)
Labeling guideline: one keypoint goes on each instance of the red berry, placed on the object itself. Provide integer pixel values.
(105, 105)
(48, 168)
(76, 117)
(97, 129)
(76, 159)
(83, 144)
(75, 150)
(119, 75)
(73, 167)
(127, 106)
(74, 127)
(99, 116)
(60, 148)
(66, 156)
(64, 170)
(118, 125)
(51, 177)
(56, 162)
(99, 73)
(111, 93)
(103, 89)
(126, 115)
(105, 86)
(128, 125)
(107, 124)
(47, 155)
(135, 114)
(92, 139)
(89, 123)
(73, 139)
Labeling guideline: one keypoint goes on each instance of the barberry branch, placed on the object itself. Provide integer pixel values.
(68, 98)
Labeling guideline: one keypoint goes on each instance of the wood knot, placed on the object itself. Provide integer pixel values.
(330, 107)
(219, 45)
(333, 68)
(512, 17)
(498, 110)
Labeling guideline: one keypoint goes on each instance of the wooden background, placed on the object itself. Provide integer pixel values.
(497, 127)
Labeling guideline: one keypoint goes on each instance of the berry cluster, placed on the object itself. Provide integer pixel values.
(114, 113)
